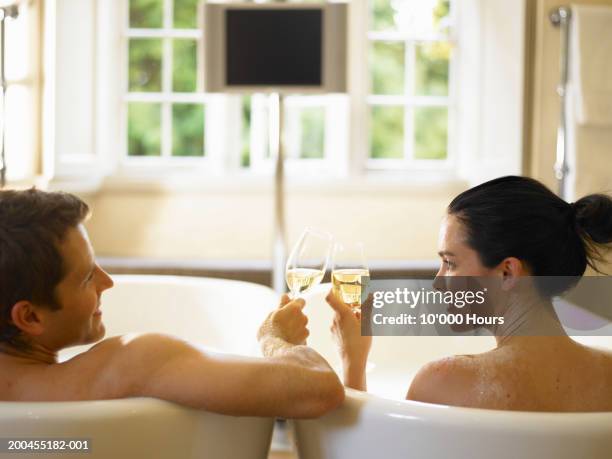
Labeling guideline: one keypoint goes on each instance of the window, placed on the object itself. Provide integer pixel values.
(166, 116)
(23, 92)
(410, 69)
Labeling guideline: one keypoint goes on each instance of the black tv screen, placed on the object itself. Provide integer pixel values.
(274, 47)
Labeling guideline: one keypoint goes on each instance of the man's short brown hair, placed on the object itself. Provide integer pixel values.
(33, 224)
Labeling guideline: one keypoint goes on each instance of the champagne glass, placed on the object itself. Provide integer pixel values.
(350, 273)
(308, 261)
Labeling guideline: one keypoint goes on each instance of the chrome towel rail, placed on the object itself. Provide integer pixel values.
(561, 17)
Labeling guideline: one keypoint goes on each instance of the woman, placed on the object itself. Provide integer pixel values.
(509, 228)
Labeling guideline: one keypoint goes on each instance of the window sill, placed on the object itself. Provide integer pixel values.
(259, 271)
(240, 183)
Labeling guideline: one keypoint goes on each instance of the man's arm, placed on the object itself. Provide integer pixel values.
(293, 382)
(294, 385)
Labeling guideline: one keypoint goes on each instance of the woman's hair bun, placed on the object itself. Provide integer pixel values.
(593, 214)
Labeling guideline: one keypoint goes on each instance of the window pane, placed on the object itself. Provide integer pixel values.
(387, 132)
(187, 130)
(383, 15)
(431, 132)
(184, 73)
(419, 17)
(245, 148)
(312, 120)
(145, 64)
(18, 55)
(144, 133)
(20, 149)
(431, 77)
(146, 13)
(185, 14)
(387, 60)
(441, 16)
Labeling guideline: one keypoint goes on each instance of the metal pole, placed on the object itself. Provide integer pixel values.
(560, 17)
(280, 240)
(5, 12)
(3, 108)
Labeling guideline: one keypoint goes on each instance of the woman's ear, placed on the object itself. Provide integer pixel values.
(27, 318)
(511, 269)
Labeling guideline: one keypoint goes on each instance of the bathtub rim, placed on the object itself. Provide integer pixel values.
(365, 424)
(185, 280)
(415, 410)
(99, 409)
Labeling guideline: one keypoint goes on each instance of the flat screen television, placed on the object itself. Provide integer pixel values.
(271, 47)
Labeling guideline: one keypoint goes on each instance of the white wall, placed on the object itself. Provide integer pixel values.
(492, 34)
(394, 223)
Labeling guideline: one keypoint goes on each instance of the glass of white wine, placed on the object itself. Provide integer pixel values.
(350, 273)
(308, 261)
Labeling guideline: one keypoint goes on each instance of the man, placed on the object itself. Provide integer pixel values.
(50, 290)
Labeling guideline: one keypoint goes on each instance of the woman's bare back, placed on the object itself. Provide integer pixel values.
(527, 374)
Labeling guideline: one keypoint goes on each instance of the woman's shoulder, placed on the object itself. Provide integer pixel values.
(447, 381)
(510, 378)
(599, 358)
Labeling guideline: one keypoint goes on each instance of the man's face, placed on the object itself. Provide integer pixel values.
(79, 319)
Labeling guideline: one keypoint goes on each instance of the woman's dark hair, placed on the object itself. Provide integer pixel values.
(519, 217)
(32, 225)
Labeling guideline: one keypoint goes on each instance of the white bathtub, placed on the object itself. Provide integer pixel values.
(382, 424)
(196, 309)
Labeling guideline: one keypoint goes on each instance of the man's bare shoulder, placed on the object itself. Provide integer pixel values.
(130, 345)
(116, 367)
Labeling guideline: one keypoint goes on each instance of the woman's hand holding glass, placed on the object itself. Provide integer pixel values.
(353, 347)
